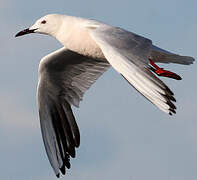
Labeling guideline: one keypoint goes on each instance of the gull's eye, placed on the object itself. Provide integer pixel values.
(43, 22)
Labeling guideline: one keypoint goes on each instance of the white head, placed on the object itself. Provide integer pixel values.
(48, 24)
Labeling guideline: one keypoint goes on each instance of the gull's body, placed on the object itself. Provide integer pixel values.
(90, 48)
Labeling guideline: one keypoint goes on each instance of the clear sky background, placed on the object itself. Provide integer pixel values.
(123, 136)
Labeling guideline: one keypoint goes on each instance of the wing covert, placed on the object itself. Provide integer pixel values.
(64, 76)
(128, 53)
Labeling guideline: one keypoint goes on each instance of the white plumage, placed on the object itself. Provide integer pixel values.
(90, 48)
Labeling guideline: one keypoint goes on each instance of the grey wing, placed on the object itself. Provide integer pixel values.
(128, 53)
(135, 48)
(64, 76)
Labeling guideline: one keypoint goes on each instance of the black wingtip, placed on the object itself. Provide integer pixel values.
(67, 164)
(172, 110)
(72, 153)
(58, 175)
(172, 106)
(63, 170)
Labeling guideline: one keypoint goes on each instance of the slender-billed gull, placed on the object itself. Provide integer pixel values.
(90, 48)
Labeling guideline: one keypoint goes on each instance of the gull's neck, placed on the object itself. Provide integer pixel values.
(74, 34)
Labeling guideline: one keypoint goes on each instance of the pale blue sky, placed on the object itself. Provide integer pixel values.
(122, 135)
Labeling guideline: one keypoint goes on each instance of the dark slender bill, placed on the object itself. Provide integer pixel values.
(25, 31)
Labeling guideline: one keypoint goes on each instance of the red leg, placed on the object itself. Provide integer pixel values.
(161, 72)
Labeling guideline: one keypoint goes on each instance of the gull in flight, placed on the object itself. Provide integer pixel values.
(89, 49)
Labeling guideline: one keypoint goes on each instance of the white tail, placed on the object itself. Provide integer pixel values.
(163, 56)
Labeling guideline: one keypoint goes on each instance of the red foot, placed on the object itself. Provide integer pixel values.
(161, 72)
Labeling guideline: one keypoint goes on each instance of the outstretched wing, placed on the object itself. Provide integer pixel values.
(128, 53)
(64, 76)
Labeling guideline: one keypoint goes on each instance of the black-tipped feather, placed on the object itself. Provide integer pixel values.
(172, 106)
(65, 131)
(170, 97)
(72, 123)
(58, 175)
(63, 138)
(60, 136)
(172, 110)
(67, 161)
(64, 76)
(63, 170)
